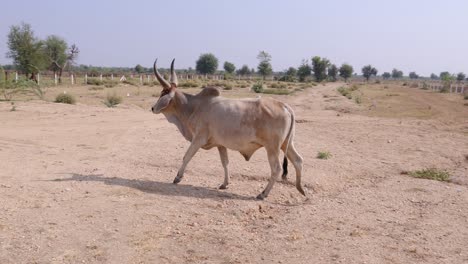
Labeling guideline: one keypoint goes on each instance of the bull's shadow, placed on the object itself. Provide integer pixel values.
(156, 187)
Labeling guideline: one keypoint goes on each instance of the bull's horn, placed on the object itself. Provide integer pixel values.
(173, 79)
(161, 80)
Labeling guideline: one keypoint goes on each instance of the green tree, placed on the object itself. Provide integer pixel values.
(139, 69)
(434, 76)
(304, 71)
(445, 76)
(289, 75)
(332, 72)
(264, 66)
(244, 70)
(413, 75)
(229, 67)
(25, 50)
(319, 67)
(461, 76)
(58, 55)
(397, 74)
(386, 75)
(207, 64)
(346, 71)
(368, 71)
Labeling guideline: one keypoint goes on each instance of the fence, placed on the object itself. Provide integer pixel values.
(50, 79)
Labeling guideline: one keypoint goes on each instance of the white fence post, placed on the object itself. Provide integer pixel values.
(55, 79)
(100, 77)
(16, 76)
(112, 77)
(141, 79)
(72, 79)
(38, 78)
(86, 78)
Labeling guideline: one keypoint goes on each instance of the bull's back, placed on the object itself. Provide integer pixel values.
(244, 124)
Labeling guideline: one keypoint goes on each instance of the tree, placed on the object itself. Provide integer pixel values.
(386, 75)
(368, 71)
(319, 67)
(289, 75)
(434, 76)
(139, 68)
(245, 70)
(264, 67)
(346, 71)
(58, 55)
(413, 75)
(445, 76)
(461, 76)
(229, 67)
(332, 72)
(396, 74)
(291, 71)
(207, 64)
(304, 71)
(25, 50)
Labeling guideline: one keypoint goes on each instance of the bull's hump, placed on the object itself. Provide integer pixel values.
(209, 91)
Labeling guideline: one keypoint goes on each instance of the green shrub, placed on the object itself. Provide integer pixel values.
(227, 86)
(258, 87)
(323, 155)
(112, 100)
(431, 174)
(65, 99)
(130, 82)
(94, 81)
(358, 99)
(278, 85)
(188, 84)
(277, 91)
(110, 83)
(344, 91)
(95, 88)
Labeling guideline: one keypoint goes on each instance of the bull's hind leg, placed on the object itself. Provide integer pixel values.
(276, 170)
(225, 161)
(296, 160)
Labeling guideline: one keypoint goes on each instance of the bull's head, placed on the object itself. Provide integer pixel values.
(169, 89)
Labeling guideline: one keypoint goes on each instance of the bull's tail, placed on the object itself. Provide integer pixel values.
(289, 139)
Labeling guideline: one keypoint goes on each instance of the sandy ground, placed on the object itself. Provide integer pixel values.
(89, 184)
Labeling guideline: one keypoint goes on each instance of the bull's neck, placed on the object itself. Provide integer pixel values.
(180, 114)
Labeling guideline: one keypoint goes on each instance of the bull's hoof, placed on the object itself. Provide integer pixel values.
(177, 180)
(260, 197)
(223, 187)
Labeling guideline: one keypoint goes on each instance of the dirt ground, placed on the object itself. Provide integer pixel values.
(89, 184)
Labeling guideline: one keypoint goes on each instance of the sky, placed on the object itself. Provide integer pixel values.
(427, 37)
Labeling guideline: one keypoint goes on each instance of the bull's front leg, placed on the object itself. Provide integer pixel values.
(196, 144)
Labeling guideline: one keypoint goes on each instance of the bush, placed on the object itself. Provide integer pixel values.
(431, 174)
(130, 82)
(227, 86)
(94, 81)
(278, 85)
(188, 84)
(276, 91)
(465, 97)
(344, 91)
(110, 83)
(358, 99)
(65, 99)
(258, 87)
(323, 155)
(112, 100)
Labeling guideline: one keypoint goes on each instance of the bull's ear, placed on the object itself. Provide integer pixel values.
(163, 102)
